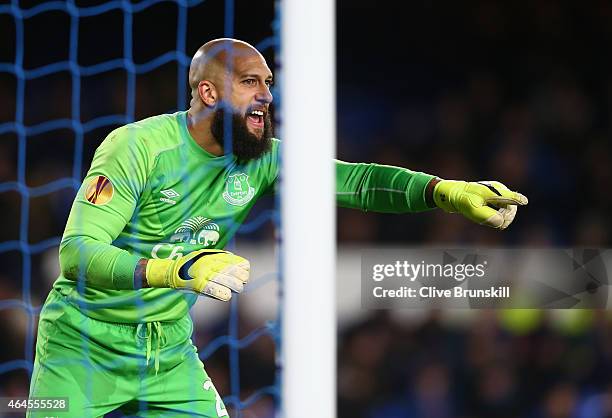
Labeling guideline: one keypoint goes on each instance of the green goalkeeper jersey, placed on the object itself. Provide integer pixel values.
(153, 192)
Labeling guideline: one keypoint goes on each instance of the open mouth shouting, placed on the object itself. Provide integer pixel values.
(255, 118)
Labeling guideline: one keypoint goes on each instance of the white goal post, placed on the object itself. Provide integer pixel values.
(308, 214)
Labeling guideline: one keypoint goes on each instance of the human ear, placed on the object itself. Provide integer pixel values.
(208, 93)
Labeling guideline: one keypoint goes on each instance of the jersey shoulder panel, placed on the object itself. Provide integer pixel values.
(157, 133)
(128, 154)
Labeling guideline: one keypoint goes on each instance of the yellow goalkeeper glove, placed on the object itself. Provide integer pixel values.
(486, 202)
(214, 273)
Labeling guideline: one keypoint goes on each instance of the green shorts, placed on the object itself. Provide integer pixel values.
(147, 370)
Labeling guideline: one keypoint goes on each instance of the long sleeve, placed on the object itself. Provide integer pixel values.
(102, 208)
(380, 188)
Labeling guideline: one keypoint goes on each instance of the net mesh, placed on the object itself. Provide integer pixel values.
(19, 128)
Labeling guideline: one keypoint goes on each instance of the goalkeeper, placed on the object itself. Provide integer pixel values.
(147, 229)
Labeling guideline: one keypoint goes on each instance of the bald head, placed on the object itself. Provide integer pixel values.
(230, 77)
(215, 59)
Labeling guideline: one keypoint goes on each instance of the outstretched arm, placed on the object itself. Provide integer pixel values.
(381, 188)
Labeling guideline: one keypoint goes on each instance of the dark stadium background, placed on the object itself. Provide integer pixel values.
(516, 91)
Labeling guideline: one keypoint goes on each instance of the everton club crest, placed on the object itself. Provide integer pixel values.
(238, 191)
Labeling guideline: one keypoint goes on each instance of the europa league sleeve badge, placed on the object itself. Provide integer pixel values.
(99, 190)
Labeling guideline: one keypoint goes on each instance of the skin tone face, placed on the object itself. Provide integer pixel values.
(232, 75)
(251, 81)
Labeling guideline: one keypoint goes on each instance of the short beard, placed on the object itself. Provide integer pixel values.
(245, 145)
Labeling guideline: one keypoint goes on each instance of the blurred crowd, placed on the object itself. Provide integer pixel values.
(509, 364)
(519, 92)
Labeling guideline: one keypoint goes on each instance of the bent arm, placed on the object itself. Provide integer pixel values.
(383, 188)
(101, 211)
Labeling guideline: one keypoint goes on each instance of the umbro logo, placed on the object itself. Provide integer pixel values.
(169, 195)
